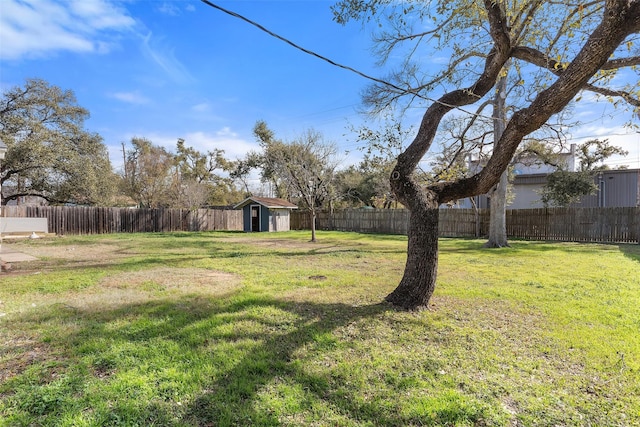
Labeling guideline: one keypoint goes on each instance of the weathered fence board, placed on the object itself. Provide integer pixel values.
(98, 220)
(606, 225)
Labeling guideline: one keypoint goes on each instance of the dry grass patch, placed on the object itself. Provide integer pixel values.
(125, 288)
(183, 280)
(76, 253)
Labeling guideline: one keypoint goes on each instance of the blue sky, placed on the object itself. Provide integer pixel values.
(179, 69)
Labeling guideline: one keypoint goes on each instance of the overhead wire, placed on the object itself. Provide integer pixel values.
(334, 63)
(297, 46)
(328, 60)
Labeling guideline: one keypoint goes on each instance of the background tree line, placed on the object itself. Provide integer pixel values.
(154, 177)
(52, 156)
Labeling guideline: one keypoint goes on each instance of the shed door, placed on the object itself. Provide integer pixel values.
(279, 220)
(255, 218)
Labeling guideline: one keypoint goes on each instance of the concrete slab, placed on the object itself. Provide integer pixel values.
(7, 254)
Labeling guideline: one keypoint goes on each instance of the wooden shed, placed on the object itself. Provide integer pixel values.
(265, 213)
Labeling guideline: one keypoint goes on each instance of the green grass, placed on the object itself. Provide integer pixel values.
(234, 329)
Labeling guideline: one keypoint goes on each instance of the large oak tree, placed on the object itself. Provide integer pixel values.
(577, 44)
(50, 153)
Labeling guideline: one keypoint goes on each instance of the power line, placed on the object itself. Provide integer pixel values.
(336, 64)
(332, 62)
(317, 55)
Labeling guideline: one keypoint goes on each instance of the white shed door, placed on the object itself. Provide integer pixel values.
(279, 220)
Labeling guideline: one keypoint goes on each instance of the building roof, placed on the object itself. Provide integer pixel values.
(268, 202)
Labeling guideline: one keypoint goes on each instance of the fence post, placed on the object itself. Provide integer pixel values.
(636, 217)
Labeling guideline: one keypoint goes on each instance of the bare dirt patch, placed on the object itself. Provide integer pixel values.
(76, 252)
(19, 352)
(51, 257)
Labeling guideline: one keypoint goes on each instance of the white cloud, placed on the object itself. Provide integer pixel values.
(203, 107)
(99, 14)
(169, 9)
(226, 132)
(165, 58)
(130, 97)
(36, 28)
(225, 139)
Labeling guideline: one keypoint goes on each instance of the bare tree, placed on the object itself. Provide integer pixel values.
(305, 168)
(149, 174)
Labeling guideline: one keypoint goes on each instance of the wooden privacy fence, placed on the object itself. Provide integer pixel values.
(94, 220)
(453, 222)
(606, 225)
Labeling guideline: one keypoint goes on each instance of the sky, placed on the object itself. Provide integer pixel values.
(173, 69)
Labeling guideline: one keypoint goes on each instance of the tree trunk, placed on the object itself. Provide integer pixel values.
(498, 195)
(313, 225)
(419, 280)
(476, 213)
(498, 214)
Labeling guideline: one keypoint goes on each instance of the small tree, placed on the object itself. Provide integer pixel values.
(303, 169)
(565, 187)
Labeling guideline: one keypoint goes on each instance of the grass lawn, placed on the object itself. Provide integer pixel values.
(234, 329)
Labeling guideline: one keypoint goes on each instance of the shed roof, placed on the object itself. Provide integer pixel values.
(268, 202)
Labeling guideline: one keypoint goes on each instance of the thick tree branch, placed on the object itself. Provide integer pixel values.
(11, 172)
(538, 58)
(614, 64)
(15, 196)
(402, 183)
(614, 93)
(620, 19)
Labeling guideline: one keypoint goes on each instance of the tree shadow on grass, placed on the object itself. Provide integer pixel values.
(233, 397)
(247, 344)
(631, 251)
